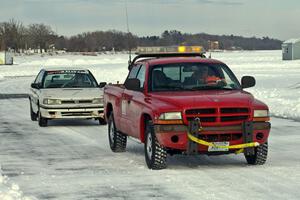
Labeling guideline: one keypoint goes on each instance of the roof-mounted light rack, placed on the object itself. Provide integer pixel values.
(173, 51)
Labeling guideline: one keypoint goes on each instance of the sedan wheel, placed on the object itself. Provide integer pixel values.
(43, 122)
(33, 116)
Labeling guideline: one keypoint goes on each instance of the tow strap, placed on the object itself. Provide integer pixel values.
(237, 146)
(195, 129)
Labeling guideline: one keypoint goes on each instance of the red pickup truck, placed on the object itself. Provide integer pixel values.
(185, 103)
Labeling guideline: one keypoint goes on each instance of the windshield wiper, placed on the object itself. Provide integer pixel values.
(171, 87)
(207, 87)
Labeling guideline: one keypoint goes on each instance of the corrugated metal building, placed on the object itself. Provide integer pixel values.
(291, 49)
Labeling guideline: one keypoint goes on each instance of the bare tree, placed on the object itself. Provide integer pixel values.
(12, 35)
(40, 36)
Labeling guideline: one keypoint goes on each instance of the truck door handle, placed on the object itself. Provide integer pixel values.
(127, 97)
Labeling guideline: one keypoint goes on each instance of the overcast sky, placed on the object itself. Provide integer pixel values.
(273, 18)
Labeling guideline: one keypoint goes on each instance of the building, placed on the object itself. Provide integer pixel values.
(6, 58)
(213, 45)
(291, 49)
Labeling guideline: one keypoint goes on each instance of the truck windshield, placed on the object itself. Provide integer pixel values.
(69, 79)
(192, 76)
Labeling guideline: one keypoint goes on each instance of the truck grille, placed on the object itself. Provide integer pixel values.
(218, 115)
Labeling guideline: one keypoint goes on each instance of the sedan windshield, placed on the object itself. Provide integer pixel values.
(192, 76)
(69, 79)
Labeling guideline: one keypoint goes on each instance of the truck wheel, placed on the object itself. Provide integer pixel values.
(42, 121)
(260, 155)
(117, 140)
(155, 154)
(102, 121)
(33, 116)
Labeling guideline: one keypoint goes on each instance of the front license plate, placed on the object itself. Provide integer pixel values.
(219, 144)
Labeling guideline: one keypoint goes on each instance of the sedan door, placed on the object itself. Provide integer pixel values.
(36, 90)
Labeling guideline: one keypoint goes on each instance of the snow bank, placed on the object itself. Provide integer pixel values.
(282, 103)
(11, 191)
(108, 68)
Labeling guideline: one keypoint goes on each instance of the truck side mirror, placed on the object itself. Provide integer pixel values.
(35, 85)
(102, 84)
(248, 81)
(133, 84)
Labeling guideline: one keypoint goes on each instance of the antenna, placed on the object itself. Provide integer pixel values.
(128, 33)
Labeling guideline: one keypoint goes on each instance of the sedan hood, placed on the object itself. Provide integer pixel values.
(72, 93)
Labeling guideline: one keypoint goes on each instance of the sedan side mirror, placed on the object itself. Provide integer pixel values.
(248, 81)
(102, 84)
(35, 85)
(133, 84)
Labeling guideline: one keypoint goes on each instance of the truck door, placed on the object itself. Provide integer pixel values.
(135, 104)
(126, 99)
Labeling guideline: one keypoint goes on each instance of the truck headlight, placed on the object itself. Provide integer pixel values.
(98, 101)
(261, 113)
(170, 116)
(52, 101)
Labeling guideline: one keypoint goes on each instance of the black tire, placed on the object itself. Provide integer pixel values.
(43, 122)
(260, 155)
(155, 154)
(33, 116)
(117, 140)
(102, 121)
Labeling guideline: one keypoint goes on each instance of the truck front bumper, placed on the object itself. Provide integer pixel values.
(72, 113)
(175, 136)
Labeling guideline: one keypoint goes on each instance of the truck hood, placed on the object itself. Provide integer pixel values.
(198, 99)
(72, 93)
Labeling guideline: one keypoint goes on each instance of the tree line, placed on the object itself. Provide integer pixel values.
(14, 35)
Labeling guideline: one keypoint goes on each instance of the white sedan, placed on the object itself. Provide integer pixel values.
(64, 93)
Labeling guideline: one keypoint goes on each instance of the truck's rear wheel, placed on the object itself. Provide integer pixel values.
(117, 140)
(155, 154)
(260, 155)
(43, 122)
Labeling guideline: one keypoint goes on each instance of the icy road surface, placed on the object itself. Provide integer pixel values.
(72, 160)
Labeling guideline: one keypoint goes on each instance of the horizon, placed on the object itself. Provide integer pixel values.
(277, 19)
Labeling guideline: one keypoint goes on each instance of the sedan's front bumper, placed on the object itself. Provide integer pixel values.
(71, 113)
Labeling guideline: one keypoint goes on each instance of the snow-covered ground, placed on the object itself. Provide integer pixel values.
(72, 159)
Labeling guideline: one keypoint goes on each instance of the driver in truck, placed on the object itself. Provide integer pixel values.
(202, 76)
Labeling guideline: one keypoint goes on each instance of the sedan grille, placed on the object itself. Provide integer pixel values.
(76, 101)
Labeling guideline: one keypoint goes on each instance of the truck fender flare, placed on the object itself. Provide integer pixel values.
(144, 117)
(108, 110)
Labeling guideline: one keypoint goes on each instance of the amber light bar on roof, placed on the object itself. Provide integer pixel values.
(170, 49)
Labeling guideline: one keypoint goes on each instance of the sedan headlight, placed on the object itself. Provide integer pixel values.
(261, 113)
(98, 101)
(170, 116)
(52, 101)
